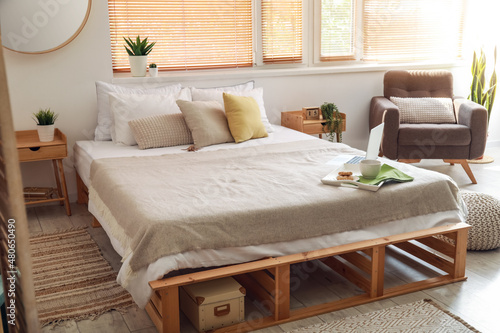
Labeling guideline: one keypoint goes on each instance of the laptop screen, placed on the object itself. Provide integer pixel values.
(374, 142)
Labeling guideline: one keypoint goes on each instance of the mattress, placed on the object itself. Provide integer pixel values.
(136, 282)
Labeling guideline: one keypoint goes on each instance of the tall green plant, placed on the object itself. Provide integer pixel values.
(479, 93)
(138, 47)
(334, 121)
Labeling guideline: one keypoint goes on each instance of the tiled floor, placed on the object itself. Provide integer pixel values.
(475, 300)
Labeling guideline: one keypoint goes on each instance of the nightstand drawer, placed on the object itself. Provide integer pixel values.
(314, 128)
(42, 153)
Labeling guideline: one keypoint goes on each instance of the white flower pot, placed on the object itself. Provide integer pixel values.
(45, 132)
(138, 65)
(153, 72)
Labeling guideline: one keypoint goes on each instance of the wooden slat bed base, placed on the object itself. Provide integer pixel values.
(362, 263)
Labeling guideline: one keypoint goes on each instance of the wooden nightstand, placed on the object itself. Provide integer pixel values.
(31, 149)
(297, 120)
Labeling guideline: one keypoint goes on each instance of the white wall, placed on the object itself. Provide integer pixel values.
(64, 81)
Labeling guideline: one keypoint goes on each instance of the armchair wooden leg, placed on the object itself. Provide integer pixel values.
(466, 167)
(403, 160)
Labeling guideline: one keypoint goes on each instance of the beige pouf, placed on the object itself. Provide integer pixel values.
(484, 217)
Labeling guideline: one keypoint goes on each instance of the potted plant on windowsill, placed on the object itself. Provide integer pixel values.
(153, 70)
(333, 121)
(45, 119)
(138, 51)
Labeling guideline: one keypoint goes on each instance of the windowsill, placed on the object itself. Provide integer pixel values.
(258, 72)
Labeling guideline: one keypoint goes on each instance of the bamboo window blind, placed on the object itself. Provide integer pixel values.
(337, 30)
(189, 34)
(281, 31)
(412, 30)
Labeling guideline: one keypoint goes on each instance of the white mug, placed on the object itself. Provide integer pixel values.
(370, 168)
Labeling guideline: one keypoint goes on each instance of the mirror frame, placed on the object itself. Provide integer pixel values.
(66, 42)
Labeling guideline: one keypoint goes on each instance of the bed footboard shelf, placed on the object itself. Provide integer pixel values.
(362, 264)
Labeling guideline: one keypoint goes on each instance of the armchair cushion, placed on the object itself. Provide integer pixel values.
(425, 110)
(418, 84)
(434, 134)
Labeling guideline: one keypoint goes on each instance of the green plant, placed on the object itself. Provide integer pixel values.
(334, 121)
(45, 117)
(152, 65)
(138, 47)
(479, 93)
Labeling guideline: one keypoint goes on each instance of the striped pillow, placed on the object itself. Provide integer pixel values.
(158, 131)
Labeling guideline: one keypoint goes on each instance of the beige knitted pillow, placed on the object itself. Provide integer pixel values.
(164, 130)
(425, 110)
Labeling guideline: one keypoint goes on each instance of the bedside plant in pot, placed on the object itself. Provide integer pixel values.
(153, 70)
(333, 121)
(45, 119)
(138, 51)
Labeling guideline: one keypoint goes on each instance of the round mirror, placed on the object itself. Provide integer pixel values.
(41, 26)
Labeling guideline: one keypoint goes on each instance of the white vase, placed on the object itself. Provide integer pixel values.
(153, 72)
(138, 65)
(45, 132)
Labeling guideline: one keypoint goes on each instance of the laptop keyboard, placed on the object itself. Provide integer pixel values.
(355, 160)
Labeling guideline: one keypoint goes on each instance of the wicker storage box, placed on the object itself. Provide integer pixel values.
(213, 304)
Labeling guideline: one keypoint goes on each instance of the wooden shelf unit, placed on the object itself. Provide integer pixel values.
(297, 120)
(31, 149)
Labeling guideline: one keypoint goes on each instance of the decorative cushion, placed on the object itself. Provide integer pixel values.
(425, 110)
(207, 122)
(164, 130)
(484, 217)
(216, 95)
(127, 107)
(243, 117)
(104, 117)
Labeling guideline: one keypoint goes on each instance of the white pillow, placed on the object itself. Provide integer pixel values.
(257, 94)
(127, 107)
(104, 117)
(200, 94)
(425, 110)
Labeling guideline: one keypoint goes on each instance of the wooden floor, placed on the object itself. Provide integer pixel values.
(475, 300)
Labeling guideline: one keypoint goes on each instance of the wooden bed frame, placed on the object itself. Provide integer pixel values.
(361, 263)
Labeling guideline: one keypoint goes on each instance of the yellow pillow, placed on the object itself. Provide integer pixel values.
(243, 118)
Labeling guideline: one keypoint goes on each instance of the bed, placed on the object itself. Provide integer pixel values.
(294, 164)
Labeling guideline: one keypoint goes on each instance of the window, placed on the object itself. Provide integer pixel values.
(200, 34)
(281, 31)
(412, 30)
(189, 34)
(337, 30)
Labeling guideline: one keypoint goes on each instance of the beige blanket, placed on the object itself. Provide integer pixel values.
(236, 197)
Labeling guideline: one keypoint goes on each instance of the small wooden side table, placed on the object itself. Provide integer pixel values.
(31, 149)
(297, 120)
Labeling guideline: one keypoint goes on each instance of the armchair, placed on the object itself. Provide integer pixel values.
(411, 142)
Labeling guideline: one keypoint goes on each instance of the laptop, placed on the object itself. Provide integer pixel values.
(350, 162)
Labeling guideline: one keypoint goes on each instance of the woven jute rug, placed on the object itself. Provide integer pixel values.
(421, 316)
(72, 279)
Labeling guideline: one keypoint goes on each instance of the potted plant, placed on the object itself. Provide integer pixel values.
(138, 51)
(333, 121)
(153, 70)
(45, 119)
(479, 92)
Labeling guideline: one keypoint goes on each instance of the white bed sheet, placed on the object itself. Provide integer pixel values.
(137, 283)
(87, 151)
